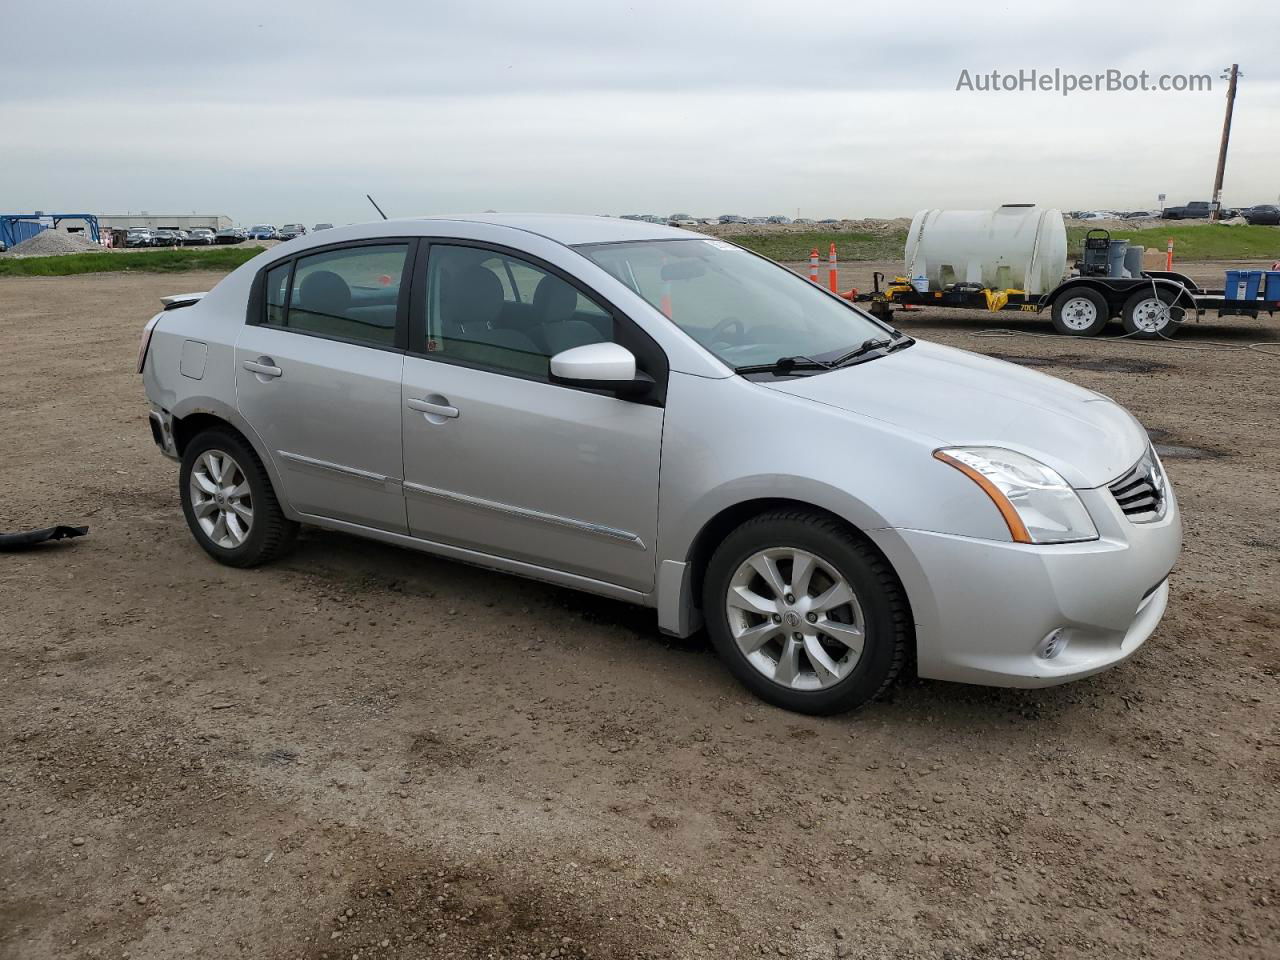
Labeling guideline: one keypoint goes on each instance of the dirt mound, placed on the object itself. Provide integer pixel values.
(51, 243)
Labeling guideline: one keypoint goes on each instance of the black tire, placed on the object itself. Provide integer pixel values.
(271, 534)
(1129, 316)
(1068, 306)
(888, 633)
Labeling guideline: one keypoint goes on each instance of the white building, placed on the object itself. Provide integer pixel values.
(171, 221)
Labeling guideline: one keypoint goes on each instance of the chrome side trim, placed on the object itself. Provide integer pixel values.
(486, 560)
(581, 526)
(337, 468)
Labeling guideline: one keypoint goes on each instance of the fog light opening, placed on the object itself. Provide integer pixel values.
(1052, 645)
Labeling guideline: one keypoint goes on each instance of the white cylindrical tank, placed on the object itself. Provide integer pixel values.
(1017, 246)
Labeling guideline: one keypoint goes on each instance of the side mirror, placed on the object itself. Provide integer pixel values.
(600, 366)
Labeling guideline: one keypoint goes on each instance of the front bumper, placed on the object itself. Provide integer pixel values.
(983, 608)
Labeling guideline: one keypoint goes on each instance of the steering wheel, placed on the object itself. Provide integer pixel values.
(721, 330)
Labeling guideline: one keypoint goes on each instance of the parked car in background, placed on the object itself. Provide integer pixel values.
(732, 218)
(138, 237)
(778, 219)
(229, 235)
(829, 220)
(322, 226)
(200, 237)
(263, 231)
(1195, 210)
(165, 237)
(682, 220)
(1266, 214)
(572, 408)
(291, 230)
(804, 220)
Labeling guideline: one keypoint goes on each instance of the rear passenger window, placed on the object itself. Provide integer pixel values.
(344, 294)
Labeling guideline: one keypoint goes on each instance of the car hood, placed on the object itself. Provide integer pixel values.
(964, 399)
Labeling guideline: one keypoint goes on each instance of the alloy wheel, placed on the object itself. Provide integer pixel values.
(795, 618)
(221, 499)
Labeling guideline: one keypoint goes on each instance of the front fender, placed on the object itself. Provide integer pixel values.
(678, 533)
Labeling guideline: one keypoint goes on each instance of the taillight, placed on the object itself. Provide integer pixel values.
(146, 340)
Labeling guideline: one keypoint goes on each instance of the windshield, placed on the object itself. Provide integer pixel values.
(744, 309)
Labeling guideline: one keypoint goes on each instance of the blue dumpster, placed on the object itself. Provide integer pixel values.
(1252, 284)
(1273, 286)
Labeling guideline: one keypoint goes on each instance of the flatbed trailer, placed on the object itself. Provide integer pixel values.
(1150, 306)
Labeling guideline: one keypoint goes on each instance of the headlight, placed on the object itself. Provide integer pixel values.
(1037, 504)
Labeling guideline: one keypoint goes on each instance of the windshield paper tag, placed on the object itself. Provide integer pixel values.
(721, 245)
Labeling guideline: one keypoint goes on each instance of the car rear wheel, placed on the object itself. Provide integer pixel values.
(1081, 313)
(805, 614)
(229, 504)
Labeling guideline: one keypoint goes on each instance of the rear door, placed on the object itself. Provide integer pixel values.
(318, 370)
(500, 460)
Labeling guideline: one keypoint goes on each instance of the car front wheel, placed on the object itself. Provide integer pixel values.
(229, 504)
(805, 614)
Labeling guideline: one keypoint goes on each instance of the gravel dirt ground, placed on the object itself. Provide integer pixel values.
(365, 752)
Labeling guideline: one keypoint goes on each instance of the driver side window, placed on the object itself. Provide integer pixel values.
(500, 313)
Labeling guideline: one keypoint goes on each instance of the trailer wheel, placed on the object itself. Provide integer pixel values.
(1151, 314)
(1081, 313)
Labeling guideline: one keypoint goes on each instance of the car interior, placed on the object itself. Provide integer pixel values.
(488, 310)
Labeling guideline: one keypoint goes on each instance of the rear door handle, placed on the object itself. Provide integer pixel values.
(263, 366)
(437, 409)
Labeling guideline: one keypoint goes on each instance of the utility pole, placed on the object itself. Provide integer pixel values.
(1216, 212)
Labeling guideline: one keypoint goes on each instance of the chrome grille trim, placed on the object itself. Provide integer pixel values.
(1140, 491)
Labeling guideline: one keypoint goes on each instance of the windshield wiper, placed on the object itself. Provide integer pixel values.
(784, 365)
(871, 345)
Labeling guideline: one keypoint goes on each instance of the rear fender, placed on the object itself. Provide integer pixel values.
(191, 405)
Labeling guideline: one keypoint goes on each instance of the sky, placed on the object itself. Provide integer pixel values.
(293, 111)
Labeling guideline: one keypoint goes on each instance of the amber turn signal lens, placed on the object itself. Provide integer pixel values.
(1017, 529)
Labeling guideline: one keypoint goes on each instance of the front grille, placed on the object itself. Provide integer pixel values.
(1140, 492)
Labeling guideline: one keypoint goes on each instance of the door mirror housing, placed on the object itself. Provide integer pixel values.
(601, 366)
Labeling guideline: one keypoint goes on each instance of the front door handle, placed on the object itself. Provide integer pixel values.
(434, 409)
(263, 366)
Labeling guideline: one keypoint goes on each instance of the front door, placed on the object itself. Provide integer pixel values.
(318, 378)
(498, 459)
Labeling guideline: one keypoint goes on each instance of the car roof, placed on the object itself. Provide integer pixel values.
(564, 229)
(572, 229)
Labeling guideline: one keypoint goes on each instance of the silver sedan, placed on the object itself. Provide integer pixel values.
(668, 419)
